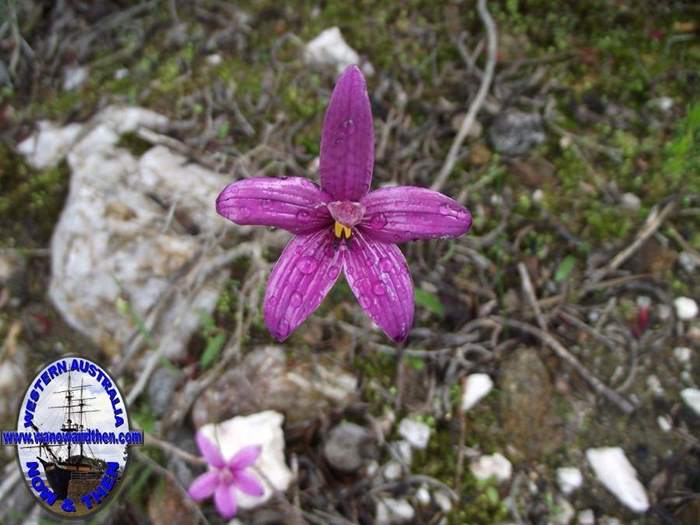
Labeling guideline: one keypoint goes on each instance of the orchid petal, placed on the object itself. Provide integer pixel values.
(248, 484)
(225, 501)
(204, 486)
(209, 450)
(301, 278)
(245, 457)
(378, 276)
(347, 140)
(295, 204)
(407, 213)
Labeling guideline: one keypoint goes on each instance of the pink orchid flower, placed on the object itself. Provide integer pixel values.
(224, 478)
(340, 227)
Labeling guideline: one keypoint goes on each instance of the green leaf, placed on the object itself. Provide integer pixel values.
(564, 269)
(223, 130)
(430, 302)
(211, 352)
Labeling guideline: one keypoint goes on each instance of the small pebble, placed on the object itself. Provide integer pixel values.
(686, 308)
(390, 510)
(682, 354)
(691, 396)
(494, 466)
(664, 423)
(415, 432)
(688, 261)
(613, 469)
(393, 470)
(654, 385)
(630, 201)
(586, 517)
(569, 479)
(423, 496)
(476, 387)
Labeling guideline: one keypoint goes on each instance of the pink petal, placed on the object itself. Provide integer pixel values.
(244, 457)
(209, 450)
(347, 141)
(204, 486)
(225, 501)
(248, 484)
(378, 276)
(301, 278)
(407, 213)
(294, 203)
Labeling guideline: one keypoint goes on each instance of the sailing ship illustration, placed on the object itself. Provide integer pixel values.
(71, 469)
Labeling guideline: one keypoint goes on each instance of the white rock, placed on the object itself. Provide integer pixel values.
(265, 429)
(443, 501)
(663, 103)
(402, 451)
(613, 469)
(663, 311)
(49, 145)
(586, 517)
(330, 48)
(423, 496)
(74, 77)
(538, 195)
(120, 74)
(691, 396)
(630, 201)
(654, 384)
(393, 470)
(682, 354)
(569, 479)
(664, 423)
(214, 59)
(686, 308)
(643, 301)
(688, 261)
(390, 511)
(563, 512)
(476, 387)
(494, 466)
(372, 468)
(111, 243)
(415, 432)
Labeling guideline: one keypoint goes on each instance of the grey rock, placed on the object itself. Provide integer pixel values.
(348, 446)
(515, 133)
(267, 379)
(161, 388)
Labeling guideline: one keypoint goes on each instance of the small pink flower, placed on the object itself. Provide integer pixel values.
(224, 478)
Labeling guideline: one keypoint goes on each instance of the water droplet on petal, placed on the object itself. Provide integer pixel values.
(378, 221)
(242, 212)
(378, 289)
(266, 203)
(307, 265)
(445, 209)
(333, 271)
(295, 299)
(385, 264)
(283, 329)
(338, 140)
(272, 300)
(303, 215)
(364, 301)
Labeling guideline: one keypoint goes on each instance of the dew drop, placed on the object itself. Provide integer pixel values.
(333, 271)
(378, 289)
(307, 265)
(295, 299)
(364, 301)
(272, 300)
(338, 140)
(283, 328)
(445, 209)
(378, 221)
(385, 264)
(303, 215)
(242, 212)
(266, 203)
